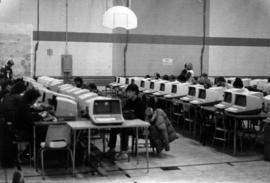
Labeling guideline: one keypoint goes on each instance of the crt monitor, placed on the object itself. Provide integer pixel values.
(192, 91)
(105, 111)
(202, 93)
(240, 100)
(228, 97)
(106, 107)
(162, 87)
(246, 103)
(127, 81)
(174, 88)
(152, 85)
(66, 108)
(142, 84)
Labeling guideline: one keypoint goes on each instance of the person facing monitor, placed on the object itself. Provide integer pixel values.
(134, 108)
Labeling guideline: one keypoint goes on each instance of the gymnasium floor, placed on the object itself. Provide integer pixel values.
(188, 161)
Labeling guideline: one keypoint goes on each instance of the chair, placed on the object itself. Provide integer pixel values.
(177, 113)
(188, 116)
(57, 138)
(17, 177)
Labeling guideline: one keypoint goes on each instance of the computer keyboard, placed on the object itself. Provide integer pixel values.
(105, 119)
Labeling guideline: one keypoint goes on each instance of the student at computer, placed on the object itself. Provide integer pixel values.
(205, 81)
(221, 82)
(156, 75)
(165, 77)
(133, 109)
(78, 81)
(25, 116)
(238, 83)
(12, 100)
(92, 87)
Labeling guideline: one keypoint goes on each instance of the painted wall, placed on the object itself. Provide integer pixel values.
(160, 23)
(240, 19)
(89, 58)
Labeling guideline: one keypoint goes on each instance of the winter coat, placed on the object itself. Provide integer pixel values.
(161, 131)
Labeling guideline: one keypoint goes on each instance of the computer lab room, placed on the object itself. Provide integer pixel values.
(134, 91)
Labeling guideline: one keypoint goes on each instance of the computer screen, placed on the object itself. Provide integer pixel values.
(118, 80)
(162, 87)
(202, 94)
(240, 100)
(228, 97)
(107, 107)
(142, 84)
(174, 88)
(152, 85)
(127, 81)
(192, 91)
(132, 81)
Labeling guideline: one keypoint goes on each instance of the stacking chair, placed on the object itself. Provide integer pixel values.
(57, 138)
(188, 116)
(221, 132)
(177, 113)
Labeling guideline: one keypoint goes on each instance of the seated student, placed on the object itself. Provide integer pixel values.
(92, 87)
(156, 75)
(220, 81)
(133, 109)
(147, 76)
(238, 83)
(205, 81)
(165, 77)
(12, 100)
(78, 81)
(24, 115)
(5, 88)
(172, 78)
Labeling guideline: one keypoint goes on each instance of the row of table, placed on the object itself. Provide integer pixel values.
(89, 125)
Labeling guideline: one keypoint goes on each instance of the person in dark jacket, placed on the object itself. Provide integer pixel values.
(6, 72)
(25, 116)
(133, 109)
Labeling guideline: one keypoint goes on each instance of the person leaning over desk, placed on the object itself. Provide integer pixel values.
(133, 109)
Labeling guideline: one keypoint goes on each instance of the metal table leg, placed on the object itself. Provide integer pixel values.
(137, 145)
(34, 148)
(74, 152)
(147, 152)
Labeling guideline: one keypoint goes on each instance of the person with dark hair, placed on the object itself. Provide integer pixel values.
(78, 81)
(12, 100)
(92, 87)
(6, 72)
(133, 109)
(25, 116)
(238, 83)
(205, 81)
(147, 76)
(5, 88)
(220, 81)
(172, 78)
(165, 77)
(156, 75)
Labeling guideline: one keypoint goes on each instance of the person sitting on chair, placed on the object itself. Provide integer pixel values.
(133, 109)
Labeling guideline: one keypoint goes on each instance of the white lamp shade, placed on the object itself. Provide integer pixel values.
(120, 16)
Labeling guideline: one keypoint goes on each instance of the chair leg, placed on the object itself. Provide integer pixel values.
(42, 163)
(71, 156)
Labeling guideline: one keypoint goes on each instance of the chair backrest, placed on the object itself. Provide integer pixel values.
(58, 132)
(18, 177)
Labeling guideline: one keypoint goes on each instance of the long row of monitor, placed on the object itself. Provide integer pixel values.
(70, 100)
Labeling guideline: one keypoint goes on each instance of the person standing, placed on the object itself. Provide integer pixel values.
(6, 72)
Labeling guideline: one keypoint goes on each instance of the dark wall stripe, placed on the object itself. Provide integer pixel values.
(149, 39)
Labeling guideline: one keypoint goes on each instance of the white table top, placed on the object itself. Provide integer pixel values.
(88, 124)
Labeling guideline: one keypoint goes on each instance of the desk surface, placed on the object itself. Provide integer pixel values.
(85, 124)
(248, 116)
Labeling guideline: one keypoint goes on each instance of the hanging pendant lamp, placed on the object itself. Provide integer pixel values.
(120, 16)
